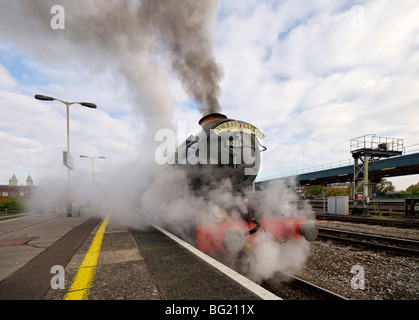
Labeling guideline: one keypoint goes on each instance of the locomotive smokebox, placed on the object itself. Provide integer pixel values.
(211, 117)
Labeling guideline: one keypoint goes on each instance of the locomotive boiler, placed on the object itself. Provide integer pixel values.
(230, 150)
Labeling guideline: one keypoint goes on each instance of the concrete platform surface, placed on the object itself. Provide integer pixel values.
(41, 256)
(44, 229)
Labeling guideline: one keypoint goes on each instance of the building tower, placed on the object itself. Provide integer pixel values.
(13, 181)
(29, 181)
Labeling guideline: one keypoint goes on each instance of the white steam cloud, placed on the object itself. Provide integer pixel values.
(138, 41)
(171, 202)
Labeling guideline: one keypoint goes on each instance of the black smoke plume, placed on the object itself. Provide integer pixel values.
(137, 39)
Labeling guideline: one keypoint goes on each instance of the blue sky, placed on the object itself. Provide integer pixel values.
(311, 75)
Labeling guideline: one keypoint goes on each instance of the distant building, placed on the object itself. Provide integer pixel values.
(14, 190)
(13, 181)
(29, 181)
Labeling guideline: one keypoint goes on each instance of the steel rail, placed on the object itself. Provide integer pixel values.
(405, 223)
(304, 286)
(334, 234)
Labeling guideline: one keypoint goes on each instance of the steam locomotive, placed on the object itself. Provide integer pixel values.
(230, 149)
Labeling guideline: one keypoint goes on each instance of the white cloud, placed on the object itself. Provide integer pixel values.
(6, 80)
(299, 70)
(313, 80)
(33, 133)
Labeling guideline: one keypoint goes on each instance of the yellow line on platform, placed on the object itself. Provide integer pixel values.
(3, 221)
(82, 281)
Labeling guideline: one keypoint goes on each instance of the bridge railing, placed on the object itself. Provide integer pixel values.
(372, 142)
(414, 148)
(331, 165)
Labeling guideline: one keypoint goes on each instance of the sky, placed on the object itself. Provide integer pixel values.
(312, 75)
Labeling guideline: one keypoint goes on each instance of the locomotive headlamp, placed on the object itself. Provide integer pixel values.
(234, 240)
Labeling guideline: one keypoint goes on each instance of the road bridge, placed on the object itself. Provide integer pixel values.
(391, 167)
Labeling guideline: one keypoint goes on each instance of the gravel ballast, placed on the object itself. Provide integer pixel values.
(376, 275)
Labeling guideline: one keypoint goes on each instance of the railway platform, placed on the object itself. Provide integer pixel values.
(45, 257)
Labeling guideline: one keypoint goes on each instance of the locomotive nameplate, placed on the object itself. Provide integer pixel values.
(241, 126)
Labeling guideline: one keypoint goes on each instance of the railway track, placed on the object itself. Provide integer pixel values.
(291, 287)
(400, 223)
(396, 245)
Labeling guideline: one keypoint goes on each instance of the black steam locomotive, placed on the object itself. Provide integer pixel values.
(228, 148)
(224, 148)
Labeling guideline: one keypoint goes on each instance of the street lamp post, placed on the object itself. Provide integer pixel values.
(93, 163)
(68, 156)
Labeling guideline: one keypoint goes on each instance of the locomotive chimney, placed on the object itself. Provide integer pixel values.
(211, 117)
